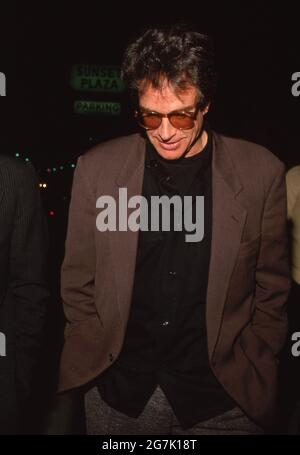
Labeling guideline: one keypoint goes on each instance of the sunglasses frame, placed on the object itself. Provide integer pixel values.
(138, 114)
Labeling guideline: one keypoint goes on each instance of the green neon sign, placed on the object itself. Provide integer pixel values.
(96, 78)
(97, 107)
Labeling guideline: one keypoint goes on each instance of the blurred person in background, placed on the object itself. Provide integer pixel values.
(293, 202)
(23, 289)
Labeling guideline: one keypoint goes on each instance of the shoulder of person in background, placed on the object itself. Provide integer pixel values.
(293, 189)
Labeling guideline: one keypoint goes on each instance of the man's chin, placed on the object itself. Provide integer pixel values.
(172, 152)
(171, 155)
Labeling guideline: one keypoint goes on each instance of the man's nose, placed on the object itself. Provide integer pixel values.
(166, 130)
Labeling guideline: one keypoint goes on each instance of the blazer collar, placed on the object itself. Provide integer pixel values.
(221, 163)
(134, 163)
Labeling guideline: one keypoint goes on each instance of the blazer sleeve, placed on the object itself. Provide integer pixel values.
(28, 288)
(273, 271)
(78, 268)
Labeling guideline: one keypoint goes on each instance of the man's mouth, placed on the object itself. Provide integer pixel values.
(169, 145)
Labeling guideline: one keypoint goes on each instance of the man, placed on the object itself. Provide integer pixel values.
(24, 292)
(168, 335)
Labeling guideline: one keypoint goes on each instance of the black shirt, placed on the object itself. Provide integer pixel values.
(165, 341)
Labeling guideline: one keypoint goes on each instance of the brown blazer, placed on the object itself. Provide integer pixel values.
(249, 277)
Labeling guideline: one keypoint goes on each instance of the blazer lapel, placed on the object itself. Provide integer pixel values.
(228, 221)
(124, 243)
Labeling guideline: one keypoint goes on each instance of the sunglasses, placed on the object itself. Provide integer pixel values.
(182, 120)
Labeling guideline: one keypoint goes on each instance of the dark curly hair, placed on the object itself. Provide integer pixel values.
(176, 53)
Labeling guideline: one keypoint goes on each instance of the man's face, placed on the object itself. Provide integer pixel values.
(169, 141)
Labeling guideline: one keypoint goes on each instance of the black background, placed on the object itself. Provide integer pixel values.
(257, 51)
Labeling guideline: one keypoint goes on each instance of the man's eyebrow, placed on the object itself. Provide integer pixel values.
(185, 108)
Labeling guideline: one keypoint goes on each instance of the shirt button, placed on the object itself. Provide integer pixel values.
(172, 273)
(165, 323)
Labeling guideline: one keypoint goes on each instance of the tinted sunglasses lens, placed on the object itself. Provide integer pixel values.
(150, 121)
(153, 121)
(181, 121)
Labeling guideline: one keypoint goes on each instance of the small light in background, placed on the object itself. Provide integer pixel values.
(17, 155)
(52, 213)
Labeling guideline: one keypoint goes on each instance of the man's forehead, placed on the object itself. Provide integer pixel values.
(168, 94)
(165, 86)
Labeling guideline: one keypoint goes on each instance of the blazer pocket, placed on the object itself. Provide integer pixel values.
(251, 246)
(78, 326)
(255, 348)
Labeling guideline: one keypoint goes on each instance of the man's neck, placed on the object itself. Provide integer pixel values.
(199, 145)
